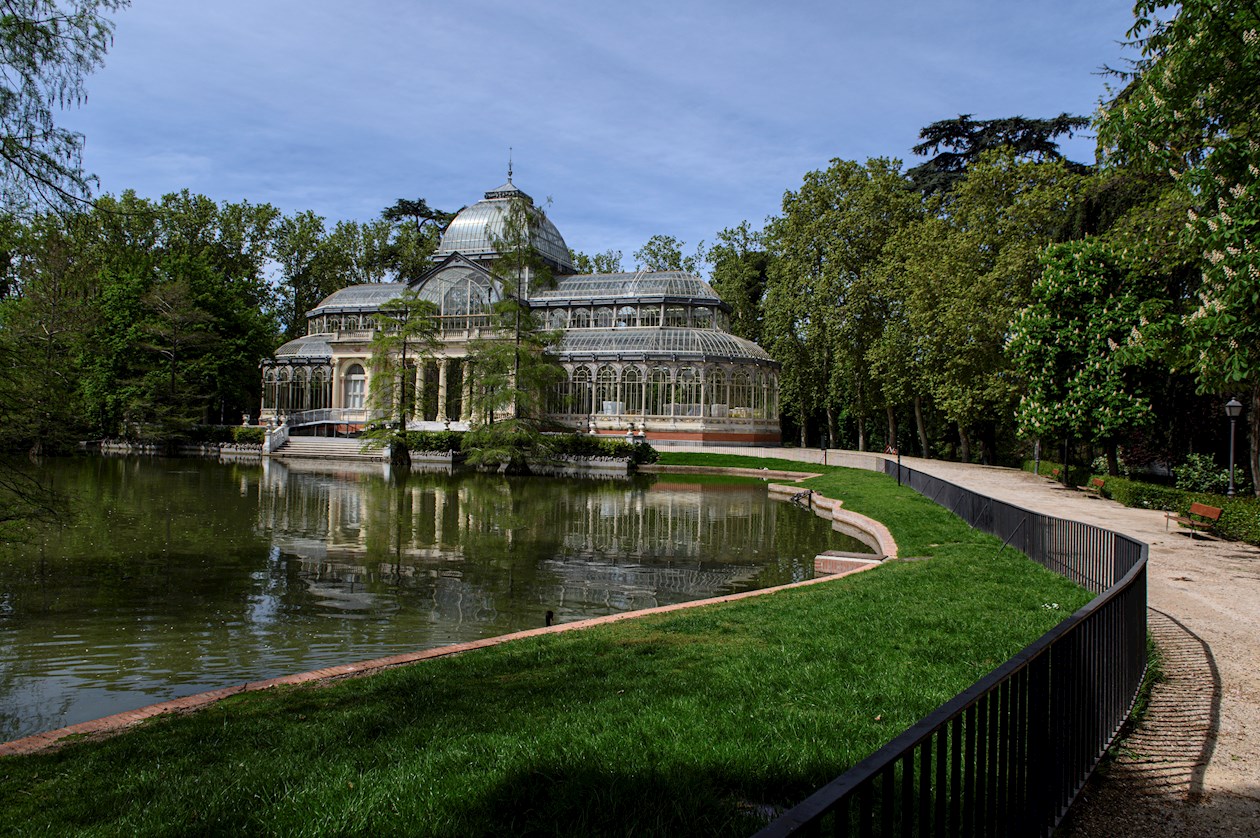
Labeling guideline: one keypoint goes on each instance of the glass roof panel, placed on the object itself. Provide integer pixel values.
(695, 342)
(357, 297)
(629, 285)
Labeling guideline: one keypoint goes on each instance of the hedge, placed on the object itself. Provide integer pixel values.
(1240, 516)
(1077, 475)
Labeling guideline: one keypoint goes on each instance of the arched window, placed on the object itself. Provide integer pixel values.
(302, 389)
(582, 395)
(603, 318)
(702, 318)
(625, 317)
(356, 387)
(284, 396)
(658, 392)
(632, 390)
(580, 318)
(650, 316)
(606, 400)
(558, 319)
(320, 395)
(687, 393)
(676, 316)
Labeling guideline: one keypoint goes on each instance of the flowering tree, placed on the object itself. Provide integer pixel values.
(1079, 346)
(1192, 109)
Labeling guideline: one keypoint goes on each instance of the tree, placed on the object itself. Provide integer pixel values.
(819, 318)
(47, 50)
(416, 230)
(958, 143)
(607, 262)
(514, 368)
(664, 253)
(1079, 347)
(406, 335)
(44, 323)
(966, 269)
(1192, 108)
(740, 273)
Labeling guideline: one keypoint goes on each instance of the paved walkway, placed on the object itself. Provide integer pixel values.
(1193, 767)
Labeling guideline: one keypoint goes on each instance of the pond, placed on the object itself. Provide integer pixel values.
(177, 576)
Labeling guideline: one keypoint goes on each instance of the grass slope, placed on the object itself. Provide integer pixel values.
(685, 723)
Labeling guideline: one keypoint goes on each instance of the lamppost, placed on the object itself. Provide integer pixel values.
(1233, 408)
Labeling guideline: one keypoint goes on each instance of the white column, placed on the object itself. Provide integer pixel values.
(441, 410)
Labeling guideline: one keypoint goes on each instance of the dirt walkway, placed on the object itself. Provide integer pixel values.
(1193, 768)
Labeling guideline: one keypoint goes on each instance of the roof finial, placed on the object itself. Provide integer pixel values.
(509, 164)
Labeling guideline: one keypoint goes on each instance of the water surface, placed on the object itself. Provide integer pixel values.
(177, 576)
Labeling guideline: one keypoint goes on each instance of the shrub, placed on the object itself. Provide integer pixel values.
(435, 440)
(248, 434)
(1200, 474)
(591, 445)
(1144, 495)
(1240, 516)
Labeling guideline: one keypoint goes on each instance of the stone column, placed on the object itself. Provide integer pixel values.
(704, 391)
(465, 407)
(441, 410)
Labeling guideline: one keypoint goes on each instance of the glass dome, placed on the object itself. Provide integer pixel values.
(475, 228)
(312, 346)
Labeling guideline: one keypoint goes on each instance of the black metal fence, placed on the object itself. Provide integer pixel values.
(1007, 756)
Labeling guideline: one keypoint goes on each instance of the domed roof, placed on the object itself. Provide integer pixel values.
(640, 285)
(308, 346)
(365, 297)
(474, 230)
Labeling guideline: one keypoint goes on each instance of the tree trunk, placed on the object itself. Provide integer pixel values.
(921, 427)
(804, 428)
(964, 444)
(892, 427)
(1113, 458)
(832, 435)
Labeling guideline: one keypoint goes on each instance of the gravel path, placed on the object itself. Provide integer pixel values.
(1193, 767)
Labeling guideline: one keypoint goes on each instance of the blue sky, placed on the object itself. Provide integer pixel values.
(635, 118)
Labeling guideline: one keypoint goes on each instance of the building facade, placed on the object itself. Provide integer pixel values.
(644, 352)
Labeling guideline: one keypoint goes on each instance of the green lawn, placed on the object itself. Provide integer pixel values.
(686, 723)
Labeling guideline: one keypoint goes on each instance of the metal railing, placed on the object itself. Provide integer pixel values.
(1008, 755)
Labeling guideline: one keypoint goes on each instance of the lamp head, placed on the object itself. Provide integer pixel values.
(1233, 408)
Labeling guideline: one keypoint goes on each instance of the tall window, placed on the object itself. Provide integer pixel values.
(650, 316)
(580, 318)
(632, 389)
(625, 317)
(658, 392)
(582, 395)
(606, 400)
(688, 392)
(718, 396)
(356, 387)
(676, 316)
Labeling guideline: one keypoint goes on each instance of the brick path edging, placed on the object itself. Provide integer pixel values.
(119, 722)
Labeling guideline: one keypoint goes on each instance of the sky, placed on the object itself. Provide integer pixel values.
(632, 118)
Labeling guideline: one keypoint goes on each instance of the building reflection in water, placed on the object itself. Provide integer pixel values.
(480, 550)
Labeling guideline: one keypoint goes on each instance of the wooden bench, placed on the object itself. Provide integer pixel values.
(1200, 517)
(1096, 486)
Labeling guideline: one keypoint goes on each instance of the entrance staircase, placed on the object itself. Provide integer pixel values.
(328, 448)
